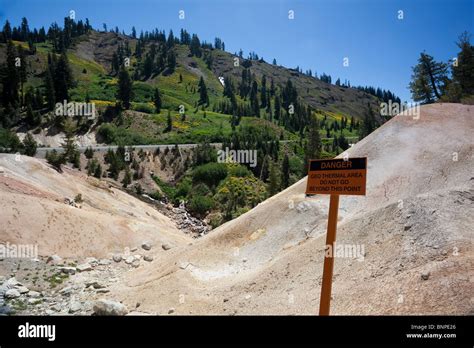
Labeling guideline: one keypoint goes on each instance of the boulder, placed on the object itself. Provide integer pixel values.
(146, 246)
(84, 267)
(68, 270)
(166, 246)
(54, 259)
(117, 257)
(109, 307)
(22, 289)
(129, 260)
(148, 258)
(34, 294)
(12, 293)
(104, 262)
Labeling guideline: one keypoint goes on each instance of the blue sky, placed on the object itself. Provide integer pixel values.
(380, 47)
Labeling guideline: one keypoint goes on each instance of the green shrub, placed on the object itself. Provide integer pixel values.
(210, 173)
(238, 170)
(201, 204)
(143, 107)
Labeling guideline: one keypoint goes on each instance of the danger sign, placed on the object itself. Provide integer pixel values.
(337, 176)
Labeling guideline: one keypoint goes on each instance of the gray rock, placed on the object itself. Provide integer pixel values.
(136, 263)
(34, 301)
(92, 261)
(68, 270)
(102, 291)
(129, 260)
(148, 258)
(12, 293)
(108, 307)
(22, 289)
(134, 249)
(54, 259)
(85, 267)
(117, 257)
(104, 262)
(12, 282)
(425, 275)
(66, 291)
(407, 227)
(166, 246)
(171, 311)
(75, 307)
(34, 294)
(146, 246)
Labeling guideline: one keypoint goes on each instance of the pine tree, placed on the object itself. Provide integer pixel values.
(463, 73)
(11, 79)
(49, 89)
(157, 100)
(70, 149)
(171, 61)
(313, 144)
(273, 179)
(254, 99)
(127, 179)
(29, 145)
(125, 84)
(429, 79)
(169, 122)
(368, 123)
(63, 79)
(203, 97)
(98, 171)
(285, 172)
(263, 93)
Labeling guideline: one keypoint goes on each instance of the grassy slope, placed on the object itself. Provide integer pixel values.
(93, 79)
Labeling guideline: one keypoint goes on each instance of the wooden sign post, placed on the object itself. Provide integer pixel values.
(334, 177)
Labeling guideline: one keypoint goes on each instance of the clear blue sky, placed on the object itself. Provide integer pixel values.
(380, 47)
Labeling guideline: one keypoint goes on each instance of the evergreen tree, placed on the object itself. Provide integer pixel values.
(29, 144)
(63, 79)
(171, 61)
(98, 171)
(263, 93)
(254, 99)
(463, 73)
(313, 144)
(273, 179)
(169, 122)
(368, 123)
(7, 32)
(157, 100)
(285, 172)
(127, 179)
(11, 78)
(203, 97)
(195, 46)
(71, 152)
(429, 79)
(125, 84)
(49, 89)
